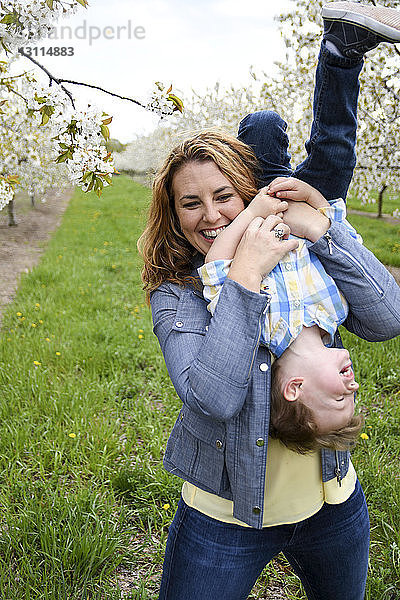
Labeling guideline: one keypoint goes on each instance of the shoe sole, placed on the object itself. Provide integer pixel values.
(383, 21)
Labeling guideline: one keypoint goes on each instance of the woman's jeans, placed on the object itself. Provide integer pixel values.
(331, 148)
(206, 559)
(210, 560)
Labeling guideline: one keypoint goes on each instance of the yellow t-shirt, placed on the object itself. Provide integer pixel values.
(294, 489)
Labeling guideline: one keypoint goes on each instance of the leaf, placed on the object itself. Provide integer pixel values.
(83, 3)
(105, 132)
(9, 18)
(50, 4)
(177, 102)
(107, 121)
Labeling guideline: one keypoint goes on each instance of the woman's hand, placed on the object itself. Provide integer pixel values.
(260, 250)
(290, 188)
(305, 221)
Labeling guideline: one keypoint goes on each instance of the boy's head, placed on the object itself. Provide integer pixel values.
(312, 400)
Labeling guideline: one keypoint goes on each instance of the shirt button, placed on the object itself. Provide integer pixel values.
(260, 442)
(263, 367)
(288, 267)
(219, 444)
(206, 327)
(179, 324)
(256, 510)
(296, 302)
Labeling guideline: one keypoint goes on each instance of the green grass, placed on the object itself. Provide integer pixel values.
(390, 202)
(383, 239)
(85, 410)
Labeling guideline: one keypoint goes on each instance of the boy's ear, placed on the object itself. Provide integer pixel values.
(292, 388)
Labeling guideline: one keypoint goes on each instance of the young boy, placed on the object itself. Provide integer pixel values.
(313, 384)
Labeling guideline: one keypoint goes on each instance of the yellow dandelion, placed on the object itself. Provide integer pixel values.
(140, 336)
(166, 506)
(58, 353)
(8, 339)
(140, 330)
(114, 266)
(34, 325)
(22, 319)
(47, 339)
(72, 435)
(37, 363)
(40, 321)
(19, 314)
(37, 304)
(60, 256)
(364, 436)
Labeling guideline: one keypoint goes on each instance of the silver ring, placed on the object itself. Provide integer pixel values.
(279, 233)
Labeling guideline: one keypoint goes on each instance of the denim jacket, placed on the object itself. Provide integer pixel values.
(222, 374)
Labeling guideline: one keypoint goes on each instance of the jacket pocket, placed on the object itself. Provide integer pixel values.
(196, 450)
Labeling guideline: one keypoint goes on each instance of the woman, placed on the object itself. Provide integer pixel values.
(242, 505)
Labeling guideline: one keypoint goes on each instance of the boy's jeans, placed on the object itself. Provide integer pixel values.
(331, 147)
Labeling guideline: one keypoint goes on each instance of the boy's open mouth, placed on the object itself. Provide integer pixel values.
(347, 371)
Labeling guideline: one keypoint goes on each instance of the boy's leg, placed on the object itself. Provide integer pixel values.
(350, 30)
(331, 148)
(265, 132)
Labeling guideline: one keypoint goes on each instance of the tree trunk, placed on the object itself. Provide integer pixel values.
(32, 197)
(12, 222)
(380, 201)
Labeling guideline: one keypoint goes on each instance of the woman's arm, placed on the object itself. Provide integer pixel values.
(370, 290)
(210, 361)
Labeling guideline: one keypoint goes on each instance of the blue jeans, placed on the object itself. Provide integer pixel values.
(206, 559)
(331, 148)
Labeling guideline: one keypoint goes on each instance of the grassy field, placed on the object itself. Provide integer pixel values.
(86, 406)
(390, 202)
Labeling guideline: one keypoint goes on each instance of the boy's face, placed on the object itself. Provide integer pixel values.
(327, 387)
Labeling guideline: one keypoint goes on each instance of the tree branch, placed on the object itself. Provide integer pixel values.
(96, 87)
(50, 76)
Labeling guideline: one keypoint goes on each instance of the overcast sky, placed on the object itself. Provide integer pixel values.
(191, 44)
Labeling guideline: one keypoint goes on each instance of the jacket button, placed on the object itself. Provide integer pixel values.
(179, 324)
(263, 367)
(219, 444)
(256, 510)
(260, 442)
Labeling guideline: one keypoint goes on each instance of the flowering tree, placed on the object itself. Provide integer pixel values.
(77, 134)
(378, 166)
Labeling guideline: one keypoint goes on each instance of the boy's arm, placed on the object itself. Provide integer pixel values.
(224, 246)
(299, 191)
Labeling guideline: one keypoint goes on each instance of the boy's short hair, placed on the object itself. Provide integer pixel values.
(294, 425)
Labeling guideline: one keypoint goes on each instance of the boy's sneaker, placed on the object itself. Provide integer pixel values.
(355, 28)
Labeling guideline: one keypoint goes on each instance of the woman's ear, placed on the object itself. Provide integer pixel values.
(292, 388)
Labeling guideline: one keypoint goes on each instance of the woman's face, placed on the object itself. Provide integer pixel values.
(205, 202)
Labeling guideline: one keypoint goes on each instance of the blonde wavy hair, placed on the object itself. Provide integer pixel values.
(166, 252)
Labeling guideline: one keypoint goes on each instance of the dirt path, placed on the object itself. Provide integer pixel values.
(22, 246)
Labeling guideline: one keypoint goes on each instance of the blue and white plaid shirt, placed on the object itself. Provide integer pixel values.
(302, 293)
